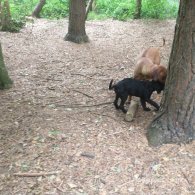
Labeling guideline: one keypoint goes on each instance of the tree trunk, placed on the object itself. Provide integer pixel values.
(76, 29)
(0, 13)
(5, 16)
(88, 8)
(138, 8)
(5, 81)
(176, 121)
(38, 8)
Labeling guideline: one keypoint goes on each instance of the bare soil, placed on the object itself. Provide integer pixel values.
(58, 117)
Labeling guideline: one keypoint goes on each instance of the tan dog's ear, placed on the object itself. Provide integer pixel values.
(155, 74)
(162, 74)
(159, 73)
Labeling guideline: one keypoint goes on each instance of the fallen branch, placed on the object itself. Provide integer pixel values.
(90, 77)
(82, 93)
(83, 106)
(34, 174)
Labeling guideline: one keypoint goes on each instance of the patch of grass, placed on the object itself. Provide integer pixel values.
(94, 16)
(54, 132)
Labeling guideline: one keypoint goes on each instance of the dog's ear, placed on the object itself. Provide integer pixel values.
(155, 74)
(162, 74)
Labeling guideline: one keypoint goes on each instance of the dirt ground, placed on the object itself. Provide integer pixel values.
(58, 119)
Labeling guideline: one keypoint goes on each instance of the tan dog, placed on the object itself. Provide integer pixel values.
(148, 66)
(153, 54)
(146, 70)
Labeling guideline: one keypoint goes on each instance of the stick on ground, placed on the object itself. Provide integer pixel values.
(34, 174)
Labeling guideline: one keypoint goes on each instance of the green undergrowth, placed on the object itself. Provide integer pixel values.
(102, 9)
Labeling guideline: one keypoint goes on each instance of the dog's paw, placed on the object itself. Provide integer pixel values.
(124, 111)
(147, 109)
(117, 107)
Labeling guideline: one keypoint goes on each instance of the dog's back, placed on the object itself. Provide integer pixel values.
(133, 87)
(130, 86)
(153, 54)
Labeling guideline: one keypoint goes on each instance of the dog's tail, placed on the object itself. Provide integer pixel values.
(110, 85)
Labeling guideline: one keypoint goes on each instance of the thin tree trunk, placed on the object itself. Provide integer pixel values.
(176, 121)
(5, 81)
(88, 8)
(0, 13)
(138, 8)
(76, 29)
(5, 16)
(36, 12)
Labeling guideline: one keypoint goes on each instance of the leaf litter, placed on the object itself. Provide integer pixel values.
(58, 124)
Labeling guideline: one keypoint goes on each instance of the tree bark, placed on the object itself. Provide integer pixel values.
(5, 81)
(76, 29)
(138, 8)
(176, 121)
(36, 12)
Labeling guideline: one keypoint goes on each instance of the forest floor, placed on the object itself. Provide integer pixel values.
(58, 119)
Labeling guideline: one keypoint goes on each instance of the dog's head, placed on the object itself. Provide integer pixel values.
(158, 86)
(160, 74)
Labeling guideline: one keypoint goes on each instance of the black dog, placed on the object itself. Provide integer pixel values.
(142, 89)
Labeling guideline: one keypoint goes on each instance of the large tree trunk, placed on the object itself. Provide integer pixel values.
(5, 16)
(76, 28)
(36, 12)
(5, 81)
(176, 121)
(138, 8)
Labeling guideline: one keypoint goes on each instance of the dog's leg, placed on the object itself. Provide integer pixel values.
(116, 101)
(143, 103)
(123, 100)
(153, 103)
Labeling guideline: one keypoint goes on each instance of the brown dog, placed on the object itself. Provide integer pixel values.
(153, 54)
(146, 70)
(148, 66)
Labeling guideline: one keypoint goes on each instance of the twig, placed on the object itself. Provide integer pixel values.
(116, 133)
(88, 155)
(186, 177)
(34, 174)
(84, 106)
(103, 115)
(58, 187)
(79, 74)
(82, 93)
(90, 77)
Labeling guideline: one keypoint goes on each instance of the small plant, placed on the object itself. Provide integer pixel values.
(16, 25)
(55, 9)
(159, 9)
